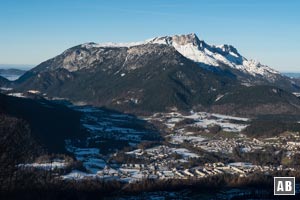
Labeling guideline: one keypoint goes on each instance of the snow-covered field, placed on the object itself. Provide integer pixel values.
(163, 151)
(45, 166)
(77, 175)
(166, 150)
(203, 120)
(116, 125)
(90, 157)
(194, 128)
(103, 127)
(17, 94)
(297, 94)
(6, 88)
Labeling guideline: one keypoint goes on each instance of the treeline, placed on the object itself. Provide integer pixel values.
(46, 185)
(50, 123)
(16, 146)
(43, 185)
(270, 127)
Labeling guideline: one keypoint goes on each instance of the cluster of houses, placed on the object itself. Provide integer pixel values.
(137, 172)
(162, 166)
(163, 154)
(227, 145)
(289, 142)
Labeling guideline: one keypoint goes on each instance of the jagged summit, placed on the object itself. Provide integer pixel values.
(218, 56)
(228, 49)
(178, 39)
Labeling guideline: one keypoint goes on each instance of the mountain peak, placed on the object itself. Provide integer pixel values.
(183, 39)
(191, 47)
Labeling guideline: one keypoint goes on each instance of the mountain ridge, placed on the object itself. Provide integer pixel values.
(215, 57)
(189, 39)
(152, 76)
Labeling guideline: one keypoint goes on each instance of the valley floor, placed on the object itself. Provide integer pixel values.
(188, 146)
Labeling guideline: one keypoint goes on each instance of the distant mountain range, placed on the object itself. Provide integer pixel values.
(11, 73)
(178, 72)
(17, 66)
(292, 74)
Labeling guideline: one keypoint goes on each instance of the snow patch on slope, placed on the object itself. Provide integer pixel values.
(112, 44)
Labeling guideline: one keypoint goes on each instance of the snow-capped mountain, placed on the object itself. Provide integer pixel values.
(223, 55)
(199, 51)
(160, 74)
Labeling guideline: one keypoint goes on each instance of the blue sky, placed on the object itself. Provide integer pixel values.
(35, 30)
